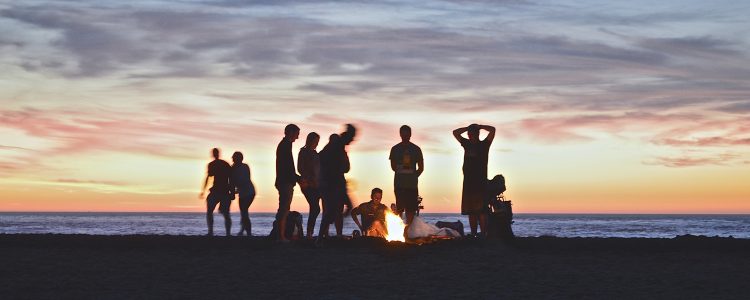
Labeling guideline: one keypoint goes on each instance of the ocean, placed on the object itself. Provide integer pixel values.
(558, 225)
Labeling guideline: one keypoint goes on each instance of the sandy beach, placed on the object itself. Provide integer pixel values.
(130, 267)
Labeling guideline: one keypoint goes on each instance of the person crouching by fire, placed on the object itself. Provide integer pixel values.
(373, 215)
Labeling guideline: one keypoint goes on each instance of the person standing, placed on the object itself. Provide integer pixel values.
(308, 165)
(407, 164)
(334, 163)
(476, 154)
(242, 185)
(286, 176)
(219, 193)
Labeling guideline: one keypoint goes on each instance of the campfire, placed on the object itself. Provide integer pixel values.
(395, 227)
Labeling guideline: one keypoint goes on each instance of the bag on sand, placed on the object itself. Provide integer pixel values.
(500, 216)
(293, 227)
(500, 219)
(457, 226)
(421, 229)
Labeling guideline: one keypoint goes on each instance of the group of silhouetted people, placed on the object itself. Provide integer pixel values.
(321, 178)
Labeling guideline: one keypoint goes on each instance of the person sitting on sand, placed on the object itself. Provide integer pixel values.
(219, 193)
(242, 185)
(373, 215)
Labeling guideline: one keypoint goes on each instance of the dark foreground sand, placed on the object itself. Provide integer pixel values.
(138, 267)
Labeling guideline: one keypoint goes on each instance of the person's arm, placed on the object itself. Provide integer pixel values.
(233, 181)
(348, 136)
(346, 164)
(391, 157)
(457, 133)
(420, 167)
(420, 163)
(203, 189)
(301, 162)
(490, 135)
(355, 212)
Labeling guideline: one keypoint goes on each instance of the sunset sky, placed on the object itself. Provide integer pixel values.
(600, 106)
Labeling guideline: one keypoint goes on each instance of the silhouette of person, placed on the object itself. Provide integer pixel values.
(373, 215)
(308, 165)
(407, 164)
(476, 154)
(286, 176)
(242, 185)
(219, 193)
(334, 163)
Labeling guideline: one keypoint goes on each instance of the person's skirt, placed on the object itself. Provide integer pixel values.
(473, 195)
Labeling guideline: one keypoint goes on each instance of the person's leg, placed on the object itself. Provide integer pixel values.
(473, 223)
(210, 206)
(340, 222)
(244, 204)
(483, 223)
(224, 210)
(411, 204)
(340, 202)
(398, 192)
(248, 222)
(313, 199)
(377, 229)
(326, 219)
(285, 200)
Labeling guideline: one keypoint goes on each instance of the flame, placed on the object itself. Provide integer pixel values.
(395, 227)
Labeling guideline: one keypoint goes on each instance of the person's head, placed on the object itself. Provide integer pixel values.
(333, 137)
(405, 132)
(215, 153)
(312, 140)
(237, 157)
(473, 132)
(291, 132)
(376, 195)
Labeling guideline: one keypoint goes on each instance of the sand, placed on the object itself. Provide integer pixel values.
(136, 267)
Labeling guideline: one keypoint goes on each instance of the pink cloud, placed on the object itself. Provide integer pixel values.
(171, 132)
(706, 142)
(690, 161)
(576, 128)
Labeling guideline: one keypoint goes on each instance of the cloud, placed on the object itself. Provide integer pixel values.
(90, 182)
(6, 147)
(172, 131)
(723, 159)
(715, 141)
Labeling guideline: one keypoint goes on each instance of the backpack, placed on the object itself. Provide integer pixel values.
(500, 217)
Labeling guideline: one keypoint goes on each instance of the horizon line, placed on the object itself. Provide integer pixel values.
(517, 213)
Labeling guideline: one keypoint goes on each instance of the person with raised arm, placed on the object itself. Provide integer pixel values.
(476, 154)
(334, 163)
(219, 193)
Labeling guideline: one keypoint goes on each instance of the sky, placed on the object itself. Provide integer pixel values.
(600, 106)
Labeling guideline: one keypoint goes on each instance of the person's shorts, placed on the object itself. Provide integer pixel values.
(406, 199)
(224, 200)
(286, 192)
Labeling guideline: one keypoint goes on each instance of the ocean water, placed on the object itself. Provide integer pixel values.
(559, 225)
